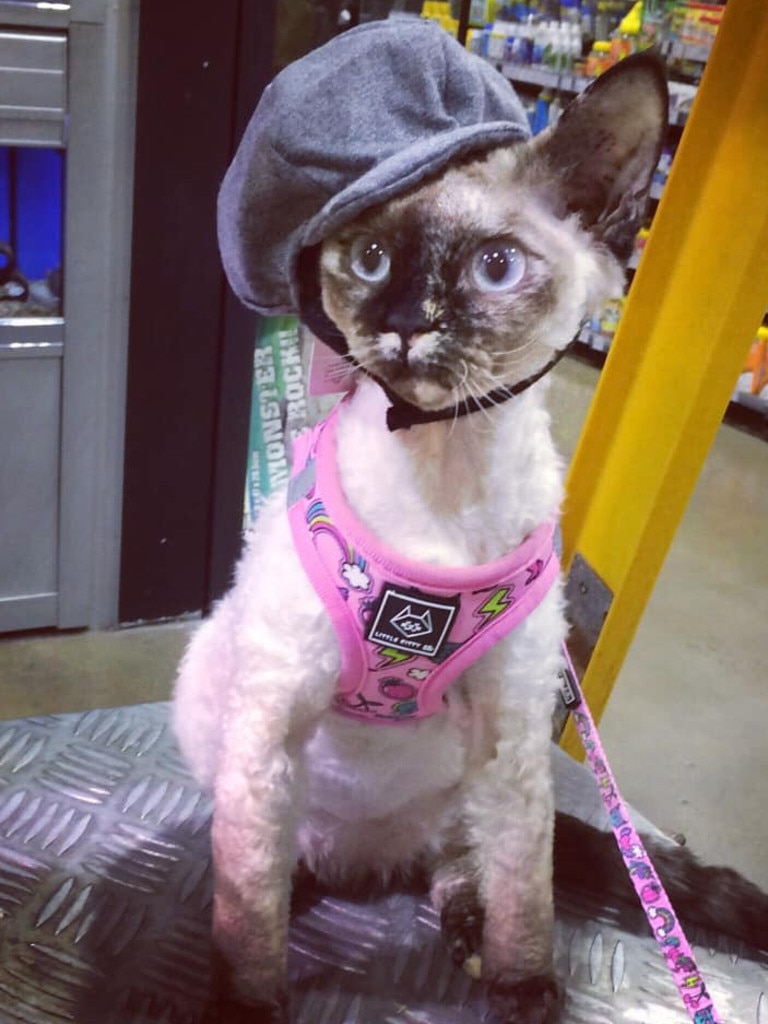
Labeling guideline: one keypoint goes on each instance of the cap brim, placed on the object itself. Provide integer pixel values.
(395, 176)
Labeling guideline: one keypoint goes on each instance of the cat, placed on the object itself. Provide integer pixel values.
(452, 298)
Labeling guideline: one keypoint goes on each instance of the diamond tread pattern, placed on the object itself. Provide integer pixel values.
(105, 894)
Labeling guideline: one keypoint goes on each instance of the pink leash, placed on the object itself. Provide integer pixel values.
(658, 909)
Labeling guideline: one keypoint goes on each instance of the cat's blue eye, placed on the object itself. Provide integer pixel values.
(369, 260)
(497, 267)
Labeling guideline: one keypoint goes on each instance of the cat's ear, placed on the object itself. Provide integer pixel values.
(605, 148)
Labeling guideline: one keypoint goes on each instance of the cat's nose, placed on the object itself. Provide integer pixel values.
(408, 325)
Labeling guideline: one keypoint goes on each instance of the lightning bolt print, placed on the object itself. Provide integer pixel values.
(497, 603)
(391, 656)
(534, 571)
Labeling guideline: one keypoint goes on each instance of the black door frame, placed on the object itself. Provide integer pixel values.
(202, 68)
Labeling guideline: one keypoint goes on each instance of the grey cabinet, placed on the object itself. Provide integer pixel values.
(67, 88)
(33, 80)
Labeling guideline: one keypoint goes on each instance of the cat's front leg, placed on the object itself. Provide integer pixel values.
(506, 887)
(255, 809)
(225, 1006)
(516, 891)
(501, 934)
(493, 891)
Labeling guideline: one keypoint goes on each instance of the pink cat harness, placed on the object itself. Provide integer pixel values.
(406, 630)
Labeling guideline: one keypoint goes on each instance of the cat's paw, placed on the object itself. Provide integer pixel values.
(535, 1000)
(461, 922)
(222, 1010)
(229, 1003)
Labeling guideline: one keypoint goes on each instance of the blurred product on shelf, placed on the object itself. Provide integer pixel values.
(433, 10)
(586, 37)
(681, 97)
(664, 166)
(754, 379)
(609, 321)
(642, 238)
(599, 332)
(695, 24)
(598, 59)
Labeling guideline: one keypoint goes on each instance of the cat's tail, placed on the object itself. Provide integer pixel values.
(716, 900)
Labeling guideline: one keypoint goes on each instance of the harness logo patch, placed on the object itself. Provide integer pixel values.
(412, 621)
(410, 624)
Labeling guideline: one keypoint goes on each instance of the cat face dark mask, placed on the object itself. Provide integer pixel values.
(356, 122)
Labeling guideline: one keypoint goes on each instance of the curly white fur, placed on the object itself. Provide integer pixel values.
(465, 795)
(294, 779)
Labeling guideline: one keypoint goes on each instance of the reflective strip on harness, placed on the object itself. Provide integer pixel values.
(406, 630)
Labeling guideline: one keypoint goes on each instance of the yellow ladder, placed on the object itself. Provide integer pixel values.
(694, 307)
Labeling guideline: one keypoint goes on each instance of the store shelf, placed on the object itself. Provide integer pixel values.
(538, 74)
(566, 81)
(755, 403)
(684, 51)
(599, 342)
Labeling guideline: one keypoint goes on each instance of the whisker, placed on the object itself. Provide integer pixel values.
(510, 360)
(479, 404)
(494, 380)
(461, 399)
(514, 356)
(364, 363)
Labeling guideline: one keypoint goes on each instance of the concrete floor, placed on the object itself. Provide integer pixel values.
(687, 721)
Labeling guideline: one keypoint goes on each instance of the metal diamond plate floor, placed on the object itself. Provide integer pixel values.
(105, 901)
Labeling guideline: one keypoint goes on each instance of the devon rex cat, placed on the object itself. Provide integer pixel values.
(388, 191)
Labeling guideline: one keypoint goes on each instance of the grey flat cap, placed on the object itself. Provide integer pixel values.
(357, 121)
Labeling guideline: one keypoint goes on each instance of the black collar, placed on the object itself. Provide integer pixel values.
(402, 415)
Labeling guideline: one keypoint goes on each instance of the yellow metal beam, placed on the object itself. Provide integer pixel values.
(694, 307)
